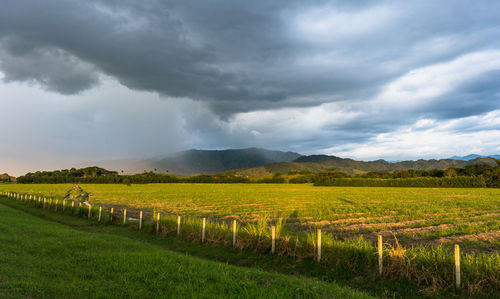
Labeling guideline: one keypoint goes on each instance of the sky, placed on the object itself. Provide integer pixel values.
(95, 80)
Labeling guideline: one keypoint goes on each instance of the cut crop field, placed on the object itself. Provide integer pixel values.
(339, 230)
(433, 216)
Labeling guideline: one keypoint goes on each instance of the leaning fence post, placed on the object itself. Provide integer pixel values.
(203, 224)
(273, 238)
(90, 212)
(178, 225)
(124, 216)
(234, 232)
(319, 245)
(457, 265)
(140, 220)
(158, 223)
(100, 213)
(380, 255)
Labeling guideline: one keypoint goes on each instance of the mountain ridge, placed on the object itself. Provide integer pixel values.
(262, 162)
(196, 161)
(316, 163)
(474, 156)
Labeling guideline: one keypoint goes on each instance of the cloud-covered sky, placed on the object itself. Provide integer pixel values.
(91, 80)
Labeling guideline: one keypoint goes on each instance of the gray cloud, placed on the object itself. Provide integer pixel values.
(52, 68)
(241, 56)
(308, 76)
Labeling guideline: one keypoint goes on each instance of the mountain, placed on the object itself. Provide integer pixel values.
(262, 162)
(473, 156)
(317, 163)
(215, 161)
(200, 161)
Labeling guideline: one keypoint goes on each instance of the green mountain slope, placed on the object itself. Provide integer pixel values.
(317, 163)
(215, 161)
(198, 161)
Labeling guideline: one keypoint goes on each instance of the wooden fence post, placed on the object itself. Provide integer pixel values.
(140, 220)
(57, 203)
(457, 265)
(90, 212)
(111, 212)
(178, 225)
(124, 216)
(64, 205)
(203, 224)
(273, 238)
(234, 232)
(44, 202)
(380, 255)
(72, 207)
(100, 213)
(319, 245)
(79, 208)
(158, 218)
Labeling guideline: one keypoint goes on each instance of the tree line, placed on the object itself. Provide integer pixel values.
(96, 175)
(5, 178)
(478, 175)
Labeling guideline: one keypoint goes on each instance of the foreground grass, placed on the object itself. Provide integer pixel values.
(41, 258)
(346, 263)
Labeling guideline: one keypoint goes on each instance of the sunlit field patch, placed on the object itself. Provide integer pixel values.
(413, 215)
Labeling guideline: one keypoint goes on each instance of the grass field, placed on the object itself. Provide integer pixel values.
(45, 259)
(425, 221)
(470, 217)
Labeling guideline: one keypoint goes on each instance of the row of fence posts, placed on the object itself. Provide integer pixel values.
(156, 219)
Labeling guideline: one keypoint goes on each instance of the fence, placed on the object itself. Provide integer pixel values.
(435, 266)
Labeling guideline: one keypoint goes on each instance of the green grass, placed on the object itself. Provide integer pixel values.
(346, 212)
(40, 258)
(420, 219)
(415, 270)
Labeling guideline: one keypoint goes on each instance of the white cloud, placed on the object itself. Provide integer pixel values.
(424, 84)
(326, 24)
(441, 139)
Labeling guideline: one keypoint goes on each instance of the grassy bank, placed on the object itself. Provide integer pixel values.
(41, 258)
(351, 262)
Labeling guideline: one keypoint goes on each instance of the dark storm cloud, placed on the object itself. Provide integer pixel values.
(237, 56)
(303, 75)
(51, 67)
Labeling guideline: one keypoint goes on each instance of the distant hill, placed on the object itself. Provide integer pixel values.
(473, 156)
(317, 163)
(262, 162)
(200, 161)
